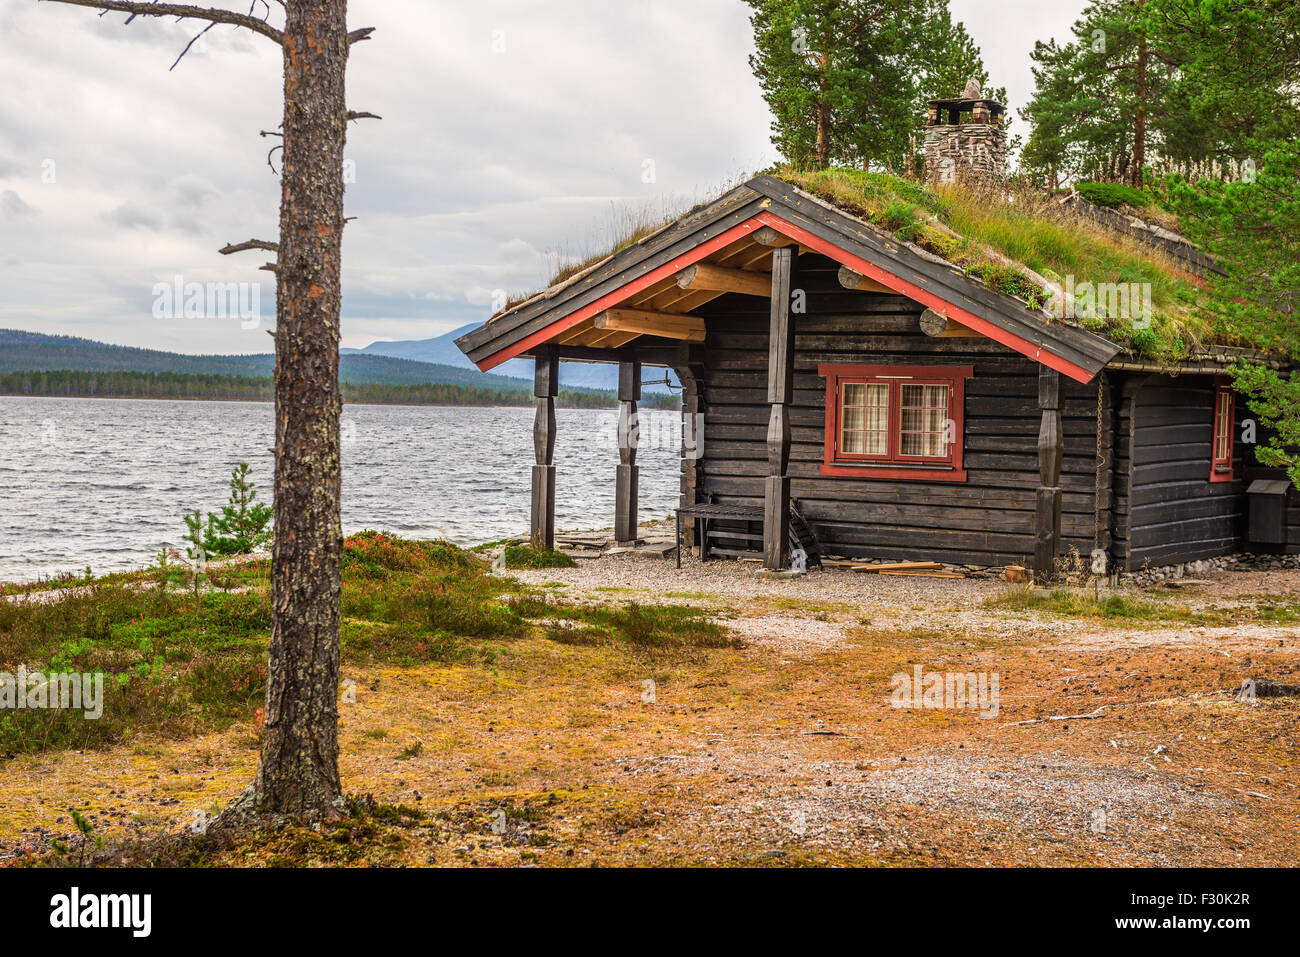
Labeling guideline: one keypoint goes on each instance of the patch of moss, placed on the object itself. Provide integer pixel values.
(1114, 195)
(1080, 603)
(526, 556)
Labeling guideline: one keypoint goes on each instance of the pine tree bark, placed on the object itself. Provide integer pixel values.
(298, 772)
(1140, 120)
(824, 114)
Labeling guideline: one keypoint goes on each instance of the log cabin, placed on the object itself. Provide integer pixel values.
(914, 394)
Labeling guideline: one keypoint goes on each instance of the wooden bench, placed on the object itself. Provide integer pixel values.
(801, 534)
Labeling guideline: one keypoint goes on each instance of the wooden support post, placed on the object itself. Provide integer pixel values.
(1051, 450)
(692, 370)
(545, 387)
(625, 489)
(780, 389)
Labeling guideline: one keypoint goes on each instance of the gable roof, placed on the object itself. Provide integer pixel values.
(766, 201)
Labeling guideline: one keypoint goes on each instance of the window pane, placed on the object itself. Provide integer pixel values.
(1223, 427)
(923, 422)
(864, 418)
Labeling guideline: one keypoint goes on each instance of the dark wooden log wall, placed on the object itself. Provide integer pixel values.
(987, 520)
(1173, 513)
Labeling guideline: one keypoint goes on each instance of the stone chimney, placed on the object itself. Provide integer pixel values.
(965, 139)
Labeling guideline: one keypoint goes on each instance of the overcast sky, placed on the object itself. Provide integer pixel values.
(510, 129)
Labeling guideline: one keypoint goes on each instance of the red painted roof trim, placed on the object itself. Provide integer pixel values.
(805, 238)
(905, 288)
(621, 293)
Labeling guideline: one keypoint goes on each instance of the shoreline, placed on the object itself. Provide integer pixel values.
(528, 404)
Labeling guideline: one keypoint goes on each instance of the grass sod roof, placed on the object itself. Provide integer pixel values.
(1021, 244)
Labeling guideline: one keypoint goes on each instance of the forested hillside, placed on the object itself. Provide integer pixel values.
(171, 385)
(34, 352)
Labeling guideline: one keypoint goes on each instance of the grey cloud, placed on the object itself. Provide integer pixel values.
(483, 165)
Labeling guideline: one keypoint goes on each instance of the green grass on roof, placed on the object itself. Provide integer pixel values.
(1114, 195)
(978, 232)
(1034, 231)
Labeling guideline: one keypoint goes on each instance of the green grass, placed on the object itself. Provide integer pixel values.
(641, 626)
(1114, 195)
(170, 666)
(1033, 231)
(176, 663)
(526, 556)
(1080, 603)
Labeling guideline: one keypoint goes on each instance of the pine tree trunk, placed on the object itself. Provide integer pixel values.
(1140, 121)
(823, 115)
(298, 773)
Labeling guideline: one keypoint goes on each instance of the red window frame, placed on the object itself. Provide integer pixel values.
(893, 465)
(1222, 432)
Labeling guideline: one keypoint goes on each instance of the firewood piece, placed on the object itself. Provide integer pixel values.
(923, 573)
(899, 566)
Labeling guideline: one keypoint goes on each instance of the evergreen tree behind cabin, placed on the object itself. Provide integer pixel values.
(848, 80)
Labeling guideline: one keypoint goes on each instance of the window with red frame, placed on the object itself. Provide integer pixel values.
(1225, 408)
(895, 422)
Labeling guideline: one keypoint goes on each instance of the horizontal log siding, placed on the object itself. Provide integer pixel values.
(1122, 475)
(986, 520)
(1176, 514)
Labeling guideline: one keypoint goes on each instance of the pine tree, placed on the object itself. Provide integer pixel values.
(244, 523)
(847, 80)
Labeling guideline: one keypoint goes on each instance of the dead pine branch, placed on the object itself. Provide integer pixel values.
(181, 11)
(232, 248)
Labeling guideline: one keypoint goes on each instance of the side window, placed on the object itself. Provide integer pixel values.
(1225, 407)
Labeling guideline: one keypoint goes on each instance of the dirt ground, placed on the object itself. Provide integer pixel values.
(1113, 743)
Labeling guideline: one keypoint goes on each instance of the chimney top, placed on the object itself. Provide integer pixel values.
(972, 91)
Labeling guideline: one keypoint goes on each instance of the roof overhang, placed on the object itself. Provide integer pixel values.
(767, 202)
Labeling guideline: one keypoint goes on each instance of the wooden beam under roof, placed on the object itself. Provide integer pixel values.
(855, 280)
(706, 276)
(573, 335)
(936, 325)
(646, 323)
(767, 236)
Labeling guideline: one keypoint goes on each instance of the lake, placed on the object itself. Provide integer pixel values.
(104, 482)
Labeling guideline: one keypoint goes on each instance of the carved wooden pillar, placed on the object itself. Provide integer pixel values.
(545, 387)
(780, 387)
(629, 392)
(692, 369)
(1051, 450)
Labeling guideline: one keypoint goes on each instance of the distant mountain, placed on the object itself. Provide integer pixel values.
(443, 350)
(411, 362)
(35, 352)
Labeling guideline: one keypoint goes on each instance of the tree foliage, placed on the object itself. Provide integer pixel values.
(242, 527)
(1253, 225)
(1178, 85)
(847, 80)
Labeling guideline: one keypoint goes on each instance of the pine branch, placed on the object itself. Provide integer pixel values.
(182, 11)
(250, 244)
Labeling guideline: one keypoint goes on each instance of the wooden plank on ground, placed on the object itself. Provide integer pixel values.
(899, 566)
(924, 573)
